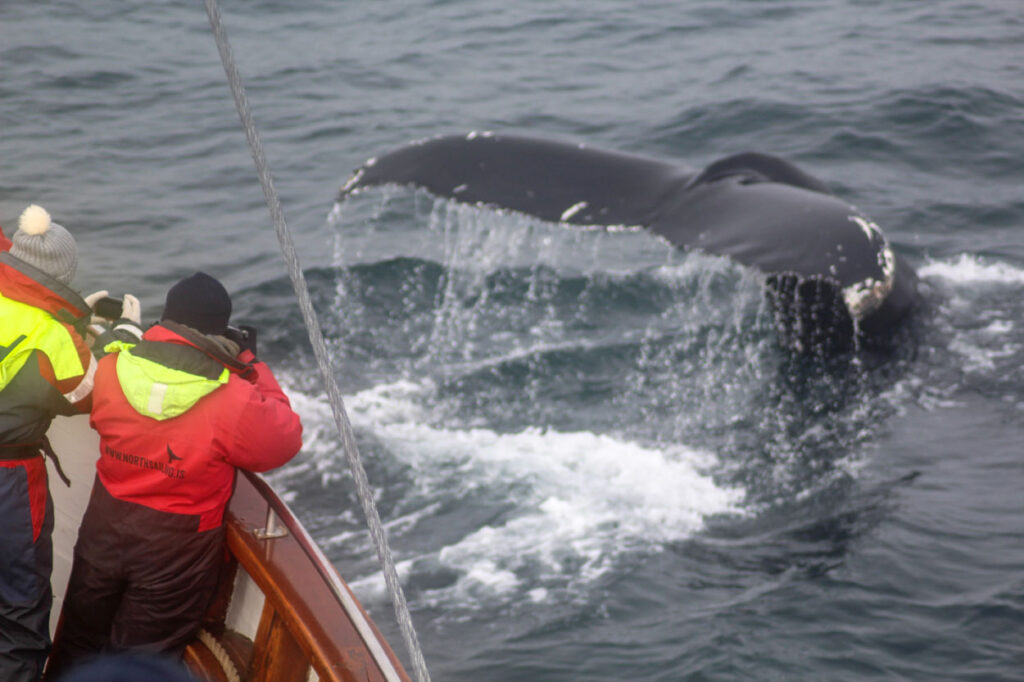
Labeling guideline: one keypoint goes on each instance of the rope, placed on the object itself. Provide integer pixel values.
(319, 347)
(221, 655)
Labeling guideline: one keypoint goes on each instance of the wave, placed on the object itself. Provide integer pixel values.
(972, 269)
(532, 426)
(563, 507)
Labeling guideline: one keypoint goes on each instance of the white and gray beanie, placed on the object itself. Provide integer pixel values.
(44, 244)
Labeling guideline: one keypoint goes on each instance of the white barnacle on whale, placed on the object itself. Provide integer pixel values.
(354, 180)
(864, 297)
(568, 213)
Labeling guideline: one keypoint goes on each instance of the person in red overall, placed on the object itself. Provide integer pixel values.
(46, 369)
(177, 414)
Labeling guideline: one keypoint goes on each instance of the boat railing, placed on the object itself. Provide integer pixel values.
(300, 627)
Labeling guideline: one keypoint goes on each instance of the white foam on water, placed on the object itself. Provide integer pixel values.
(576, 501)
(984, 334)
(697, 266)
(968, 268)
(320, 449)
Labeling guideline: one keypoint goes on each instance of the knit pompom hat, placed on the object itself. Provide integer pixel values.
(44, 244)
(201, 302)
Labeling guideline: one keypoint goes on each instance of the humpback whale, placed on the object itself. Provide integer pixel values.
(830, 273)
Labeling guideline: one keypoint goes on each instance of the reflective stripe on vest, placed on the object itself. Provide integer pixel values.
(158, 391)
(26, 329)
(84, 387)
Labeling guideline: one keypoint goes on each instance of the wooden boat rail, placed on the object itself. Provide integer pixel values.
(301, 625)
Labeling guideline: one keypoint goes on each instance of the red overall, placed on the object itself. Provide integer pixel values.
(151, 543)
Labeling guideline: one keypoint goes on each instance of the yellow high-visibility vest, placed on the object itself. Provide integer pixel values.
(156, 390)
(26, 329)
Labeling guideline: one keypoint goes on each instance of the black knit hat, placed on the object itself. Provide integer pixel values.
(201, 302)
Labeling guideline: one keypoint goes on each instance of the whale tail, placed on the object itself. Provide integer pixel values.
(758, 167)
(809, 313)
(832, 276)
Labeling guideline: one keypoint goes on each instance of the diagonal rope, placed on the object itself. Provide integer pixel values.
(319, 347)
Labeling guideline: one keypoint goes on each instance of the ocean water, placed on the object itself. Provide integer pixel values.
(592, 458)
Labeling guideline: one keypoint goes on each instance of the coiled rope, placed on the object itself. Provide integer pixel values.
(348, 442)
(221, 655)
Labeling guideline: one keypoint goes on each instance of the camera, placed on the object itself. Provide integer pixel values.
(244, 335)
(108, 308)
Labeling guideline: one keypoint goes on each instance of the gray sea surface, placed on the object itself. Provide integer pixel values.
(593, 460)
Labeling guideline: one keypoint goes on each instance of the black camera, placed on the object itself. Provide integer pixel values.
(244, 335)
(108, 308)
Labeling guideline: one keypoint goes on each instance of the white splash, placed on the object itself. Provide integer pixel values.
(577, 501)
(969, 268)
(986, 336)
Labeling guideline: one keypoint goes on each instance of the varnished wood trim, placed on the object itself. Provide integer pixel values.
(278, 657)
(293, 580)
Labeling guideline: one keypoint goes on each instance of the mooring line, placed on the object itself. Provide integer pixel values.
(348, 442)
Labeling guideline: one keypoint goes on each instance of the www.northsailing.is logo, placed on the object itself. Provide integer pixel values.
(144, 463)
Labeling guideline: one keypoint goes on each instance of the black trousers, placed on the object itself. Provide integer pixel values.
(141, 580)
(26, 560)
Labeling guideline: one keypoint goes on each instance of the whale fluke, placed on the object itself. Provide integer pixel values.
(830, 272)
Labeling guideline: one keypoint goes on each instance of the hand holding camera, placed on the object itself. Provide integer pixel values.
(245, 336)
(110, 308)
